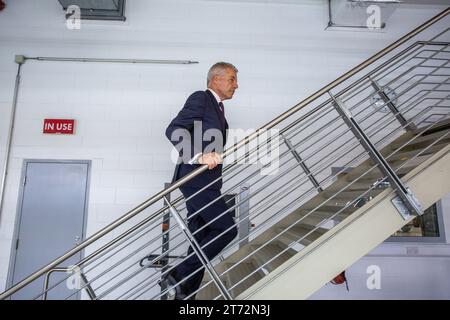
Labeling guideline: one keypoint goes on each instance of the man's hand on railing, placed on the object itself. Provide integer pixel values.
(212, 159)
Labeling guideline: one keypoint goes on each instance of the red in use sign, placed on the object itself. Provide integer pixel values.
(59, 126)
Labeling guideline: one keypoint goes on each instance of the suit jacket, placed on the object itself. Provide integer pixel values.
(201, 106)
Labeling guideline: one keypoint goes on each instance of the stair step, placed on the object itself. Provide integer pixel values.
(312, 219)
(299, 232)
(409, 164)
(266, 253)
(442, 125)
(335, 205)
(345, 186)
(333, 216)
(405, 155)
(209, 292)
(362, 173)
(347, 196)
(421, 142)
(238, 273)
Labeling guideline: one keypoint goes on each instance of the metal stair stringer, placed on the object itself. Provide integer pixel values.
(363, 230)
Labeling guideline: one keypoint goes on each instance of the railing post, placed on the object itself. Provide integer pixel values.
(406, 203)
(165, 244)
(390, 104)
(88, 287)
(243, 216)
(20, 61)
(198, 250)
(302, 163)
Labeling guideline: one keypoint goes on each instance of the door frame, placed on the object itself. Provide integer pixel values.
(18, 219)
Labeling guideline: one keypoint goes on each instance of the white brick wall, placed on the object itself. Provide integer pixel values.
(282, 52)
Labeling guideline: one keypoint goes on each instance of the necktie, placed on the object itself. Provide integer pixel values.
(222, 114)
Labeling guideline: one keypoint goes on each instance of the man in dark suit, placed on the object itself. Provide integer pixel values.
(203, 114)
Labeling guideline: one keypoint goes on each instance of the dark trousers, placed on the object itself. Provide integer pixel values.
(195, 222)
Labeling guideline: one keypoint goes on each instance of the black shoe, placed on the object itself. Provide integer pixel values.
(176, 290)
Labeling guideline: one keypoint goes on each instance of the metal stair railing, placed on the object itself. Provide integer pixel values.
(356, 198)
(312, 138)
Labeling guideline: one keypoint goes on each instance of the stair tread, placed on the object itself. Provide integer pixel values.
(410, 164)
(264, 254)
(336, 205)
(343, 185)
(410, 154)
(238, 273)
(316, 218)
(313, 219)
(208, 293)
(440, 125)
(419, 142)
(307, 234)
(328, 214)
(352, 195)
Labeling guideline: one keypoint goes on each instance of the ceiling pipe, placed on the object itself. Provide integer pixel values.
(151, 61)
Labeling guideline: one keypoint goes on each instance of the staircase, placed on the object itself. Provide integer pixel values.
(342, 171)
(324, 253)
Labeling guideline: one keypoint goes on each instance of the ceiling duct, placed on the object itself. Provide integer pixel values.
(97, 9)
(360, 14)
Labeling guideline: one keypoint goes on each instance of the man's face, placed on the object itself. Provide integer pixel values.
(226, 84)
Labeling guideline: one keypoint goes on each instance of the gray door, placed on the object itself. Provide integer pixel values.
(51, 213)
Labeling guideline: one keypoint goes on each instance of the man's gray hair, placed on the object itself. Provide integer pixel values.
(218, 69)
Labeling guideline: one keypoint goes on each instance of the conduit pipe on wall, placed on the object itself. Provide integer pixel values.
(20, 60)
